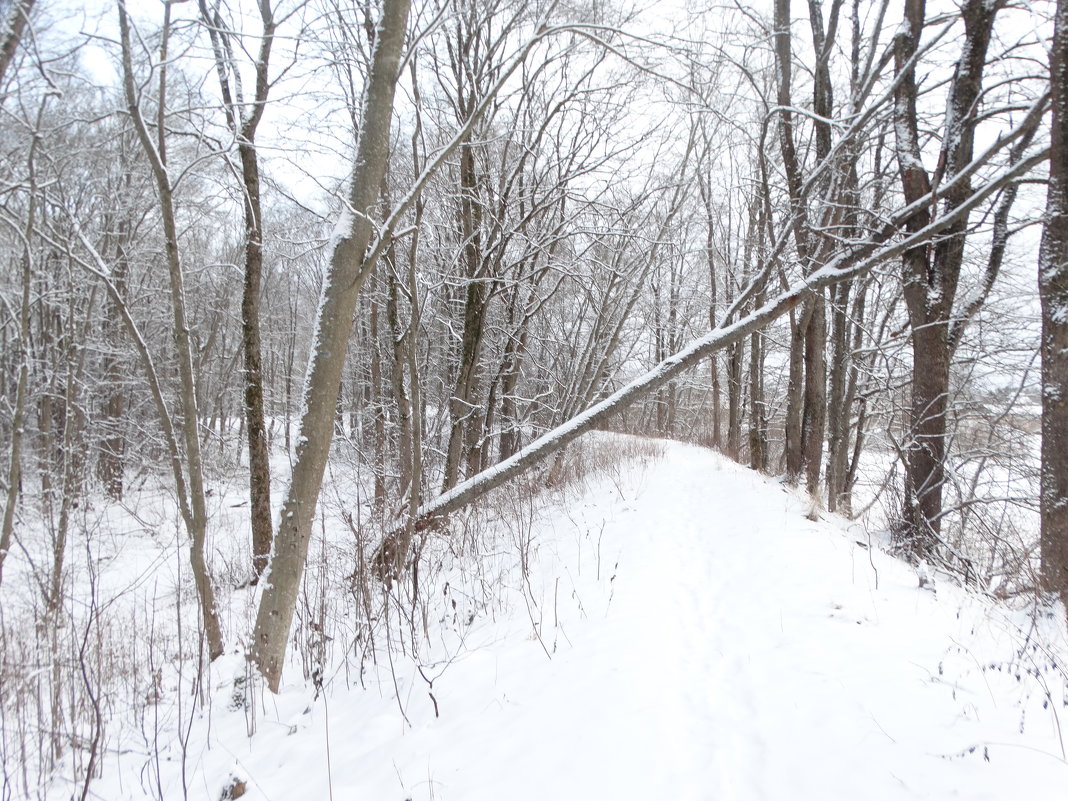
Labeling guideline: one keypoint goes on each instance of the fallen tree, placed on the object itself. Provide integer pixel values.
(854, 260)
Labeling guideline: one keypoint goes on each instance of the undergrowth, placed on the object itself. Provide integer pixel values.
(117, 672)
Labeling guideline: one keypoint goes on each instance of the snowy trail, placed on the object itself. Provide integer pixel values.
(708, 642)
(745, 653)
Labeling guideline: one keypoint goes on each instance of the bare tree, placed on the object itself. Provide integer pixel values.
(243, 118)
(349, 267)
(931, 272)
(155, 148)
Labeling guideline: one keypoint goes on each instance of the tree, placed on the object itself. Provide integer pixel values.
(931, 271)
(1053, 291)
(243, 118)
(155, 148)
(348, 269)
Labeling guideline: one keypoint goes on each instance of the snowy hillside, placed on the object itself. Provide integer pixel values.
(683, 631)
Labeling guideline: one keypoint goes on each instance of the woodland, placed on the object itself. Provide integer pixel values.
(373, 261)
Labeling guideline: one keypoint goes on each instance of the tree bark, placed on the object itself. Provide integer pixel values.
(348, 268)
(463, 411)
(1053, 291)
(931, 272)
(259, 463)
(244, 126)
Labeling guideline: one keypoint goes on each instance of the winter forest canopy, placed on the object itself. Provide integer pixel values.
(354, 265)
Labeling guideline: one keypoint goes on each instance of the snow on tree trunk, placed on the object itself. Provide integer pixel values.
(1053, 289)
(346, 273)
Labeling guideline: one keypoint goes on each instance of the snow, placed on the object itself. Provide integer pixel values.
(684, 632)
(343, 228)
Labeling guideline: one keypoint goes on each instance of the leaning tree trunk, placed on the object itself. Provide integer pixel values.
(1053, 290)
(348, 268)
(851, 261)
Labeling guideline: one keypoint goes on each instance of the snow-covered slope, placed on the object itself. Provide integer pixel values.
(684, 632)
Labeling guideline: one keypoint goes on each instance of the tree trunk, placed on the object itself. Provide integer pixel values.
(838, 410)
(799, 325)
(815, 414)
(795, 388)
(244, 127)
(15, 24)
(196, 521)
(735, 359)
(259, 462)
(375, 404)
(758, 433)
(111, 464)
(464, 428)
(346, 273)
(1053, 290)
(931, 272)
(514, 349)
(400, 341)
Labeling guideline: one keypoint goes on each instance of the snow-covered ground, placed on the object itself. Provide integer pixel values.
(682, 631)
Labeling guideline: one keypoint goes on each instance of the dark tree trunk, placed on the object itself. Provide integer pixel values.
(244, 123)
(464, 419)
(931, 272)
(259, 463)
(375, 405)
(1053, 289)
(14, 25)
(735, 358)
(815, 414)
(795, 388)
(400, 342)
(511, 369)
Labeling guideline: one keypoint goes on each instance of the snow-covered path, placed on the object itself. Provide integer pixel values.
(746, 654)
(707, 641)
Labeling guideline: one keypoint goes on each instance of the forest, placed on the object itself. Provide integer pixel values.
(293, 288)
